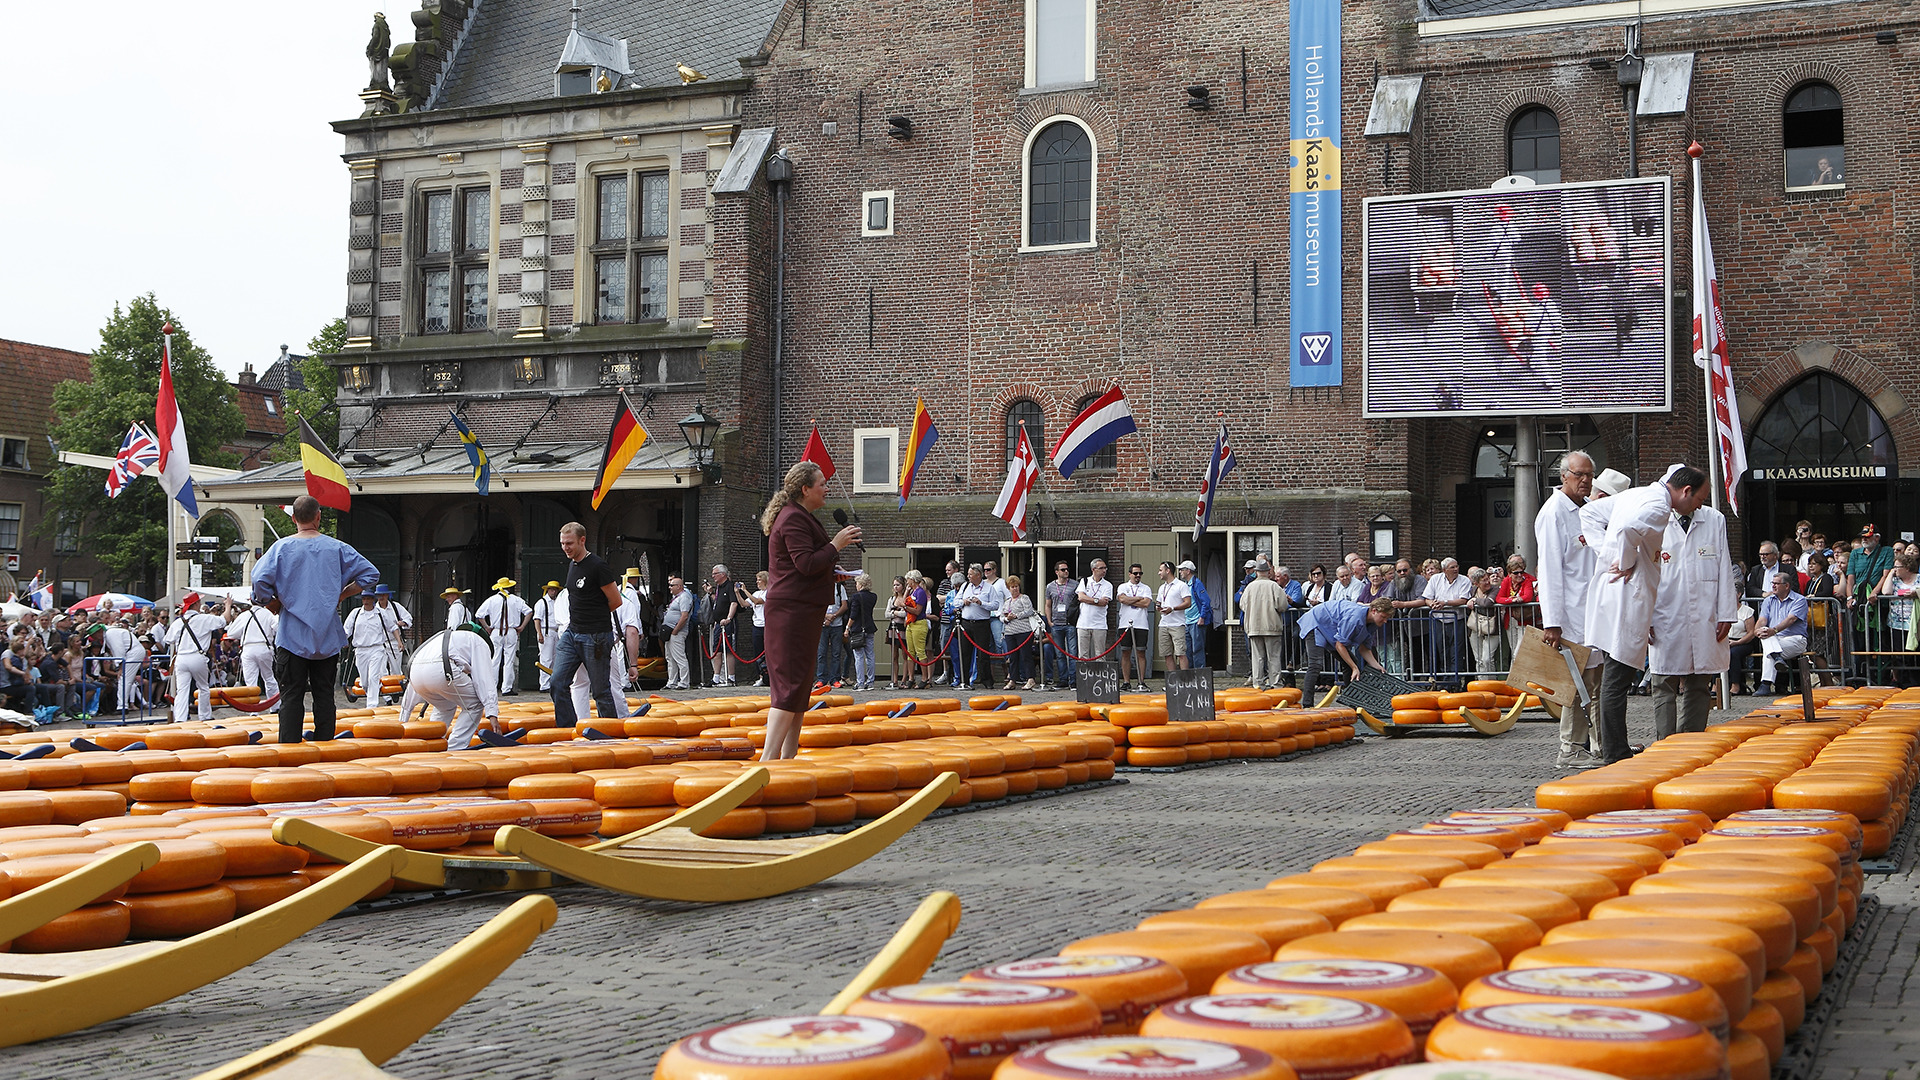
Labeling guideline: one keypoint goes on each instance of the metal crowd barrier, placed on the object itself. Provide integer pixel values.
(1876, 638)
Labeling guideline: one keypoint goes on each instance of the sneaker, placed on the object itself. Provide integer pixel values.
(1577, 759)
(1765, 689)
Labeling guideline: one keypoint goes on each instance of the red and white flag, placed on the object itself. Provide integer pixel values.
(1022, 470)
(175, 470)
(1729, 444)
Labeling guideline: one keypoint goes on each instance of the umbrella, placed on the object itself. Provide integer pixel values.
(11, 610)
(121, 601)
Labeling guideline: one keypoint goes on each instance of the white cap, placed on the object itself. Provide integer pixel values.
(1188, 565)
(1611, 482)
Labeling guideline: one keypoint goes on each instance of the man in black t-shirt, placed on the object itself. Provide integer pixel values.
(593, 595)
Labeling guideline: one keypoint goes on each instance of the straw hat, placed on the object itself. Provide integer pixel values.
(451, 590)
(504, 584)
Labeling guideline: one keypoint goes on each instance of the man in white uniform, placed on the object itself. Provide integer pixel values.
(192, 636)
(401, 617)
(454, 670)
(120, 642)
(626, 646)
(1566, 567)
(546, 632)
(1620, 602)
(456, 608)
(256, 629)
(371, 636)
(1698, 598)
(505, 616)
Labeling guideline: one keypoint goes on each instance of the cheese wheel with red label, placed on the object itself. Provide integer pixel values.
(1686, 824)
(1608, 986)
(1530, 828)
(1418, 995)
(1833, 836)
(1491, 1070)
(1632, 1044)
(1474, 855)
(1546, 908)
(1337, 905)
(1717, 968)
(1507, 840)
(1737, 940)
(1378, 886)
(1201, 955)
(1321, 1037)
(1509, 934)
(1799, 898)
(983, 1021)
(1274, 925)
(1460, 958)
(1431, 867)
(1579, 886)
(1559, 819)
(1845, 823)
(1770, 922)
(1126, 988)
(95, 926)
(1140, 1056)
(1646, 858)
(1644, 835)
(807, 1048)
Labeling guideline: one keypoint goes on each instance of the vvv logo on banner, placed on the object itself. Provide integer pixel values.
(1314, 202)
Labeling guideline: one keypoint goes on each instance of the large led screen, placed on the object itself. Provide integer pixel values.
(1519, 301)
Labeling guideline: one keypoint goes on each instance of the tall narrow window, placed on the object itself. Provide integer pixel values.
(473, 298)
(1059, 42)
(1813, 136)
(1060, 186)
(455, 248)
(612, 208)
(631, 278)
(476, 222)
(439, 301)
(1533, 146)
(1036, 424)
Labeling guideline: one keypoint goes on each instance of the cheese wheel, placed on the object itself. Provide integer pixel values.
(99, 768)
(223, 787)
(1770, 922)
(1714, 796)
(1587, 795)
(1559, 819)
(1422, 700)
(637, 787)
(1201, 955)
(1826, 946)
(58, 845)
(1471, 854)
(1621, 872)
(1747, 1058)
(1418, 995)
(1418, 716)
(1337, 905)
(254, 893)
(1125, 988)
(807, 1048)
(1764, 1022)
(1876, 837)
(56, 832)
(1378, 886)
(1431, 867)
(1645, 836)
(1546, 908)
(1787, 997)
(34, 871)
(1133, 716)
(1737, 940)
(1460, 958)
(185, 865)
(1529, 827)
(1579, 886)
(359, 826)
(1158, 735)
(1606, 986)
(1632, 1044)
(1326, 1038)
(57, 772)
(255, 853)
(788, 819)
(1647, 858)
(1507, 840)
(488, 816)
(196, 826)
(1831, 836)
(571, 786)
(179, 914)
(1862, 796)
(1824, 880)
(1140, 1056)
(1799, 898)
(1846, 824)
(833, 810)
(1156, 757)
(1274, 925)
(619, 821)
(358, 781)
(983, 1021)
(1686, 824)
(1717, 968)
(564, 817)
(1796, 849)
(743, 823)
(1490, 1070)
(426, 828)
(1804, 966)
(95, 926)
(1509, 934)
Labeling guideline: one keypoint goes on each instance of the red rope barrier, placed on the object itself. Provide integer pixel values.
(990, 652)
(1064, 651)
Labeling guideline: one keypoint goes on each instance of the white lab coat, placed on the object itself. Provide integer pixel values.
(449, 677)
(1620, 613)
(1697, 593)
(547, 635)
(1566, 567)
(502, 614)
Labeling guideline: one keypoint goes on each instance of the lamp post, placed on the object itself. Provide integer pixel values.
(699, 429)
(237, 557)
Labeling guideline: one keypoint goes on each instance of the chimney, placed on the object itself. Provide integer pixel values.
(246, 375)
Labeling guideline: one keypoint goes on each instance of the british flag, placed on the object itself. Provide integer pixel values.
(139, 451)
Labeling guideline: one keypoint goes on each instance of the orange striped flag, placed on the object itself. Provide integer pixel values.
(624, 439)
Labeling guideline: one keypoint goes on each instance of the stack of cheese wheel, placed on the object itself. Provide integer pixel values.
(1317, 1035)
(181, 895)
(1632, 1044)
(1248, 724)
(1126, 988)
(1607, 987)
(982, 1021)
(1141, 1056)
(820, 1047)
(1200, 955)
(1418, 995)
(1486, 1070)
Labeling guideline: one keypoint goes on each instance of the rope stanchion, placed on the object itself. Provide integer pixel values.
(996, 655)
(711, 653)
(1064, 651)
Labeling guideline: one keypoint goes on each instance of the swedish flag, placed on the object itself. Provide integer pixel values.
(476, 454)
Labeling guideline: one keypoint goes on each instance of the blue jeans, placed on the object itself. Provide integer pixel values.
(1056, 649)
(1197, 644)
(826, 664)
(571, 651)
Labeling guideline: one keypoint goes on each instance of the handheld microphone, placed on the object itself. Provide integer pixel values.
(840, 519)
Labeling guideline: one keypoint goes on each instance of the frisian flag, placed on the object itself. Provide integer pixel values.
(139, 451)
(1218, 466)
(1104, 420)
(1022, 470)
(921, 435)
(176, 471)
(1710, 351)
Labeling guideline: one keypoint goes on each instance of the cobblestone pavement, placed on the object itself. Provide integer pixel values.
(618, 979)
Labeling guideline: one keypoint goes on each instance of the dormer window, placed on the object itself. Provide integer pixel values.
(590, 63)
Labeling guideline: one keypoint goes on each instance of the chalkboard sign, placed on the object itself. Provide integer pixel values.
(1189, 695)
(1099, 681)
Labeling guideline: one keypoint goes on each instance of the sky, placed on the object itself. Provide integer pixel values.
(181, 149)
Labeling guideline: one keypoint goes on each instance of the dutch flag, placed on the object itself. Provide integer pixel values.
(1104, 420)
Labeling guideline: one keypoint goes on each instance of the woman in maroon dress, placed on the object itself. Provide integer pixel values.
(801, 560)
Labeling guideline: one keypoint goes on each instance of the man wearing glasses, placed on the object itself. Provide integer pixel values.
(1061, 606)
(1566, 569)
(1135, 598)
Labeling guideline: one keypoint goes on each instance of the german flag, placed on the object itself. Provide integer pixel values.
(326, 480)
(624, 439)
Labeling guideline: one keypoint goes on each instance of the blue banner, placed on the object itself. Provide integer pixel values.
(1314, 205)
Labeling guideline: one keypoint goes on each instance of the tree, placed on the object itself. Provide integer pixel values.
(323, 385)
(129, 534)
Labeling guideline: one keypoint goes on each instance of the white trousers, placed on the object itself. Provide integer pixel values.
(129, 675)
(1263, 652)
(455, 702)
(676, 651)
(1775, 651)
(256, 667)
(189, 670)
(506, 657)
(371, 662)
(546, 659)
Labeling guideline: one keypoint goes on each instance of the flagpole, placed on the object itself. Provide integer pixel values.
(1703, 307)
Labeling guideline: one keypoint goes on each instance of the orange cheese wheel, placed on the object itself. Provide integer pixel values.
(1469, 853)
(621, 820)
(1379, 886)
(873, 804)
(95, 926)
(179, 914)
(1647, 858)
(1826, 946)
(168, 786)
(1846, 824)
(1714, 796)
(1804, 966)
(34, 871)
(1125, 988)
(1546, 908)
(1579, 886)
(1529, 827)
(1136, 1055)
(79, 806)
(1799, 898)
(1747, 1058)
(1158, 735)
(409, 779)
(1420, 700)
(1765, 1023)
(1133, 716)
(184, 865)
(255, 853)
(1605, 986)
(1796, 849)
(1460, 958)
(638, 787)
(554, 786)
(1686, 824)
(254, 893)
(289, 785)
(1433, 868)
(1787, 997)
(1633, 1044)
(1201, 955)
(372, 830)
(1865, 797)
(1622, 872)
(743, 823)
(358, 781)
(788, 819)
(1488, 1070)
(1717, 968)
(1319, 1036)
(1559, 819)
(1418, 995)
(98, 768)
(1643, 835)
(224, 787)
(48, 773)
(1824, 880)
(1336, 905)
(833, 810)
(1833, 837)
(981, 1022)
(426, 828)
(1770, 922)
(1419, 716)
(693, 788)
(1509, 934)
(807, 1047)
(1876, 837)
(1274, 925)
(1156, 757)
(55, 832)
(1507, 840)
(485, 817)
(196, 826)
(1584, 796)
(1737, 940)
(564, 817)
(58, 845)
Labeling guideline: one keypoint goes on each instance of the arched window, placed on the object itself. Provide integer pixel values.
(1813, 137)
(1823, 422)
(1533, 146)
(1036, 423)
(1105, 459)
(1060, 185)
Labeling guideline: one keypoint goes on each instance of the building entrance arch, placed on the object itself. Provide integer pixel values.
(1820, 452)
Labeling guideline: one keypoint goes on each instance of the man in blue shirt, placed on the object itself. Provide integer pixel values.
(1782, 628)
(303, 579)
(1199, 615)
(1346, 627)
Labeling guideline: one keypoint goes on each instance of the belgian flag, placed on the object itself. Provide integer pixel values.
(624, 439)
(326, 479)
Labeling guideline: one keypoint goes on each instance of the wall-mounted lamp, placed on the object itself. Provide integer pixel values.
(900, 127)
(1199, 98)
(1886, 37)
